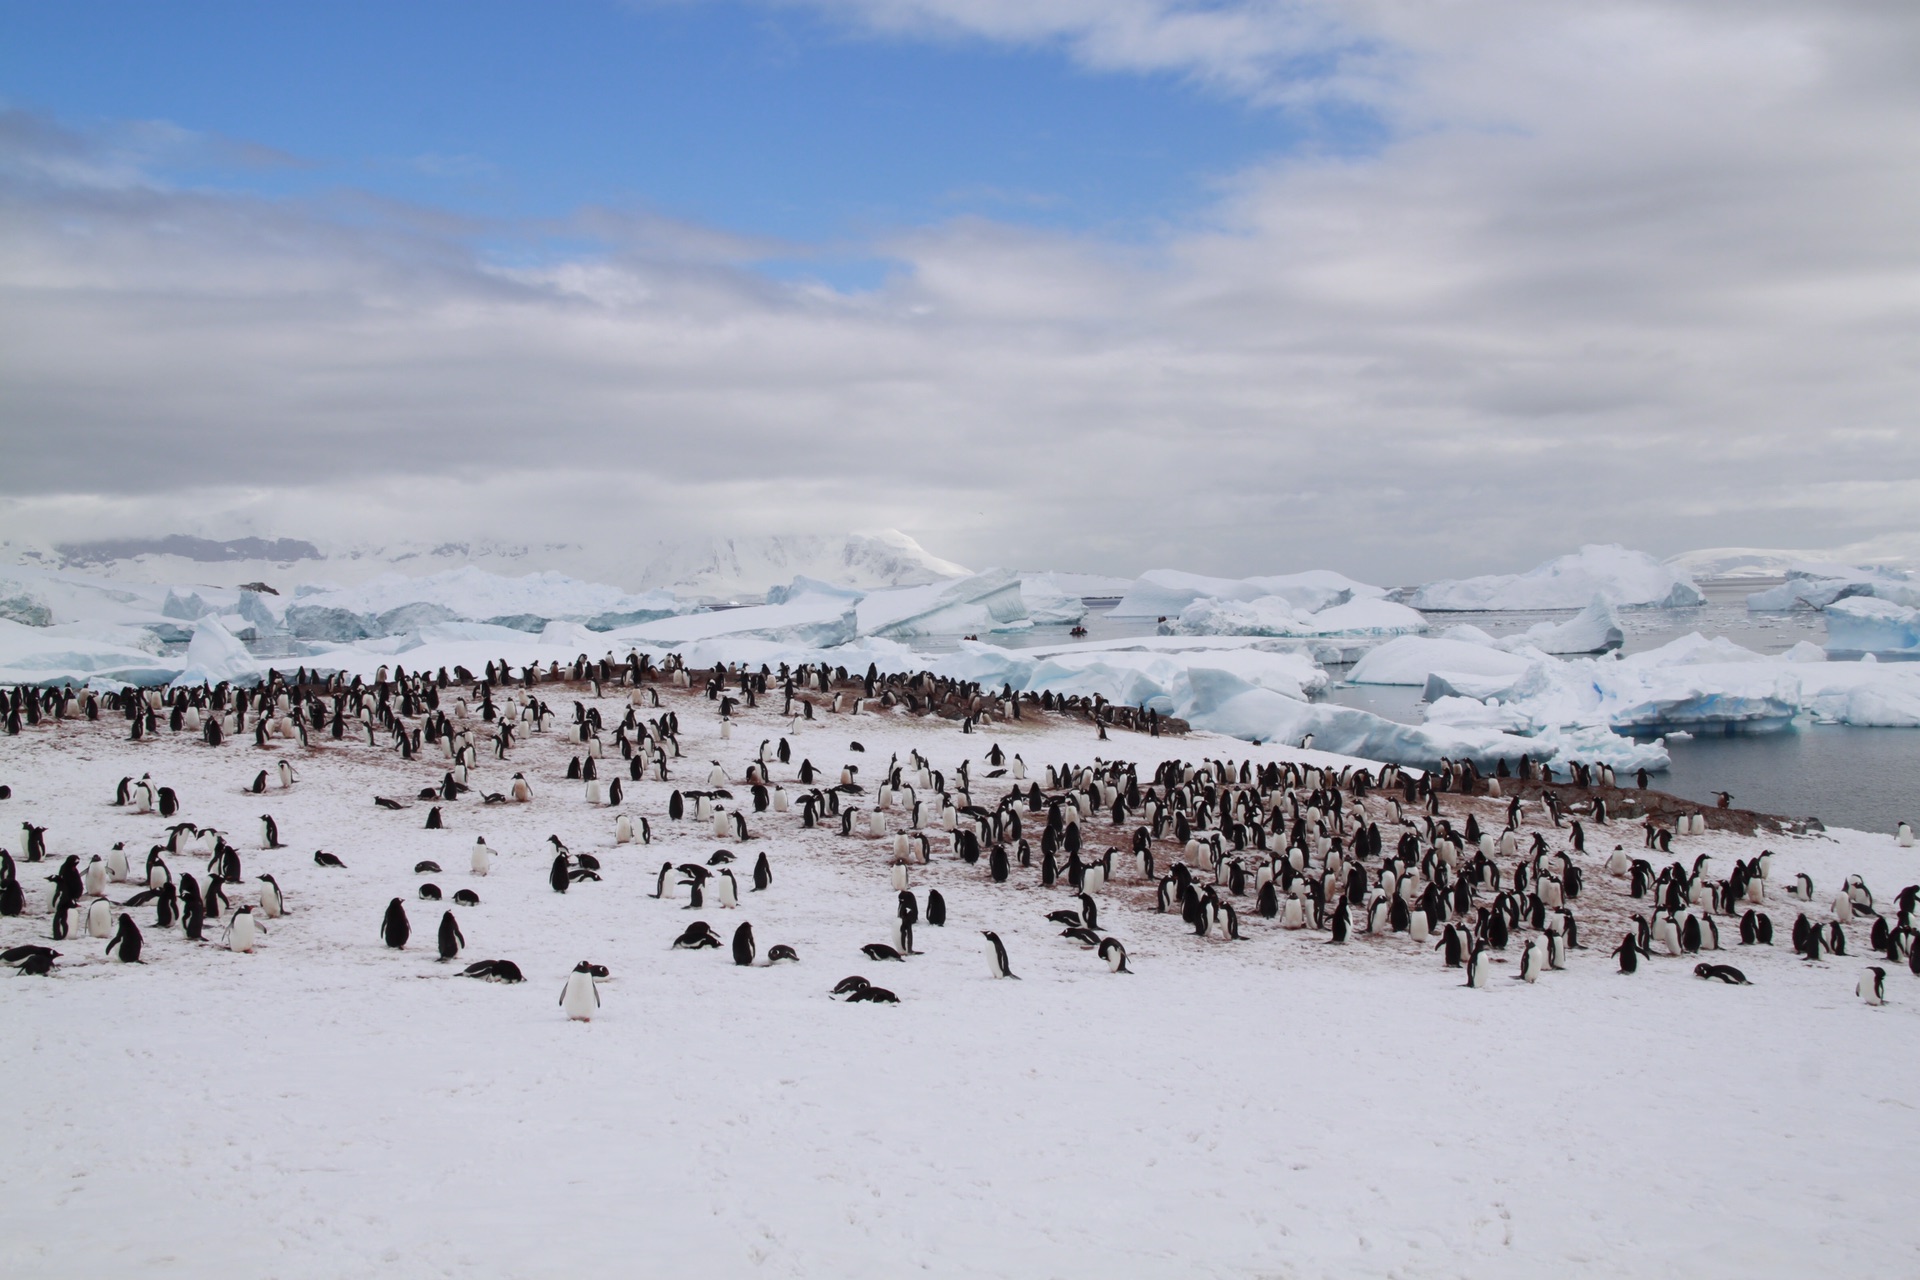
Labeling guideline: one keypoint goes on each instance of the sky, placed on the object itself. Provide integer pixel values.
(1401, 289)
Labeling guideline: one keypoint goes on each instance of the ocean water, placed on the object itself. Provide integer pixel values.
(1863, 778)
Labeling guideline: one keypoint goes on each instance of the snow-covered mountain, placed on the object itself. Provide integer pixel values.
(719, 568)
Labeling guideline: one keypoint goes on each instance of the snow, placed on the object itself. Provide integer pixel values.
(726, 568)
(1166, 592)
(1628, 579)
(1817, 586)
(1862, 624)
(1275, 1106)
(472, 594)
(815, 621)
(989, 601)
(1049, 602)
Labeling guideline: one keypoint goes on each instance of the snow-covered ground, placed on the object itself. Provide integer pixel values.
(1270, 1107)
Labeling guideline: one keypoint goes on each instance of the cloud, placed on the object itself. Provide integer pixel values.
(1638, 272)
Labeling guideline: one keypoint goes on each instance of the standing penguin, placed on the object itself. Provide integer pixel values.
(762, 873)
(240, 929)
(482, 856)
(273, 904)
(100, 919)
(269, 833)
(743, 950)
(1871, 988)
(1629, 953)
(997, 956)
(936, 909)
(451, 939)
(394, 928)
(559, 877)
(126, 944)
(1530, 961)
(1479, 966)
(580, 998)
(1115, 955)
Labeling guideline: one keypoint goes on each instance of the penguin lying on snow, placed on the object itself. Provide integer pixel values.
(857, 989)
(34, 961)
(494, 971)
(1724, 972)
(698, 935)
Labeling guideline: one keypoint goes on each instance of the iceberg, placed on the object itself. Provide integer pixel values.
(1864, 624)
(1048, 603)
(1627, 579)
(214, 655)
(1276, 616)
(1165, 593)
(814, 621)
(1410, 660)
(989, 601)
(1594, 630)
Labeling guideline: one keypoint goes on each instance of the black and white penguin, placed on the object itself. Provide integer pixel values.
(1479, 966)
(1115, 955)
(743, 944)
(273, 904)
(126, 944)
(762, 873)
(394, 928)
(1531, 961)
(1722, 972)
(780, 950)
(580, 998)
(936, 909)
(559, 876)
(269, 833)
(997, 956)
(451, 939)
(697, 936)
(1629, 953)
(1871, 988)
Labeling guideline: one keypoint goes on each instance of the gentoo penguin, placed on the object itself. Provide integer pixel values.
(259, 784)
(762, 873)
(1903, 835)
(241, 930)
(729, 890)
(287, 778)
(743, 944)
(126, 944)
(117, 864)
(580, 998)
(272, 904)
(451, 939)
(997, 956)
(95, 877)
(1724, 972)
(482, 861)
(394, 928)
(1871, 988)
(100, 919)
(1115, 955)
(1530, 961)
(559, 876)
(521, 791)
(697, 936)
(781, 951)
(1479, 966)
(269, 833)
(937, 909)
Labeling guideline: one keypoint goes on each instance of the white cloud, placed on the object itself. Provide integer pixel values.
(1632, 271)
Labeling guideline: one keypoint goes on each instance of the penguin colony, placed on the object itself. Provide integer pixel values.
(1482, 871)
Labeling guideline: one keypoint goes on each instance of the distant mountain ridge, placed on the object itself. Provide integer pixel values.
(715, 568)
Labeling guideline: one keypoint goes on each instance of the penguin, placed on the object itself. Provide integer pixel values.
(1871, 988)
(729, 890)
(1530, 961)
(881, 951)
(126, 944)
(451, 939)
(762, 873)
(1115, 955)
(697, 936)
(1479, 966)
(1629, 953)
(273, 904)
(1451, 941)
(937, 910)
(100, 919)
(394, 928)
(559, 877)
(269, 833)
(1723, 972)
(482, 860)
(743, 944)
(95, 878)
(580, 998)
(997, 956)
(781, 951)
